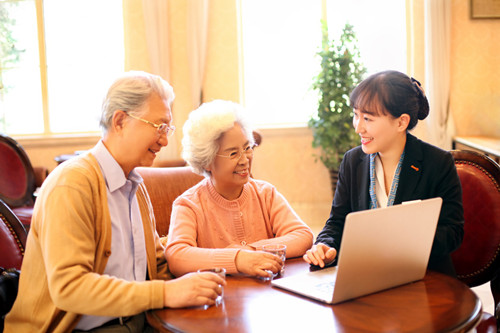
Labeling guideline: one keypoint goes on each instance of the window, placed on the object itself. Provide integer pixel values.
(280, 41)
(57, 62)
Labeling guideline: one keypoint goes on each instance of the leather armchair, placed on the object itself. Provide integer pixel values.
(12, 238)
(477, 261)
(18, 179)
(12, 245)
(164, 185)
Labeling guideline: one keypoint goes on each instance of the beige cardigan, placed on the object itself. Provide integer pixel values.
(67, 250)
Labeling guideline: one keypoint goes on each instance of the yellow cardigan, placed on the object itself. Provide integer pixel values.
(67, 250)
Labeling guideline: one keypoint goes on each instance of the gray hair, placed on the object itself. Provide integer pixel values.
(130, 93)
(203, 129)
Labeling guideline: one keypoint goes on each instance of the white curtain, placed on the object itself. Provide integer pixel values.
(197, 22)
(156, 18)
(157, 37)
(440, 127)
(156, 26)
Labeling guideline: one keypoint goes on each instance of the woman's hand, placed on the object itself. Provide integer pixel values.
(193, 289)
(257, 263)
(320, 255)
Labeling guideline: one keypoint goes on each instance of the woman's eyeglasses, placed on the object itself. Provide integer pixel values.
(236, 155)
(161, 128)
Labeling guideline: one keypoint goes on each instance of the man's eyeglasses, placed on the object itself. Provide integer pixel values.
(161, 128)
(236, 155)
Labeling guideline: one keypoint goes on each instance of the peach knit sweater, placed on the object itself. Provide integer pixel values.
(206, 229)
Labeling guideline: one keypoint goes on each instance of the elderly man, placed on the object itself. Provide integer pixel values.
(93, 260)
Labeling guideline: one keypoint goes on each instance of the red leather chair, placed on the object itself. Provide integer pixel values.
(12, 238)
(12, 245)
(477, 261)
(164, 185)
(18, 179)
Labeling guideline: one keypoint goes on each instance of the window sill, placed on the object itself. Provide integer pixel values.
(57, 140)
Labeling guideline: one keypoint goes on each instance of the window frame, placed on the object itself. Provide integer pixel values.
(46, 123)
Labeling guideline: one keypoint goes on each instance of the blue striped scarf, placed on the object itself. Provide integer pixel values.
(373, 178)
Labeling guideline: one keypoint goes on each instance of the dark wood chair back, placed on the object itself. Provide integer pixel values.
(12, 238)
(12, 245)
(477, 261)
(17, 177)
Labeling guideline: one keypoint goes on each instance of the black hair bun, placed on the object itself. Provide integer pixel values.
(423, 108)
(423, 103)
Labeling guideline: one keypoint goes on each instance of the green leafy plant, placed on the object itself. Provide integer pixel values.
(341, 71)
(9, 53)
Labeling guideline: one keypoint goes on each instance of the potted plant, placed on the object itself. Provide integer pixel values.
(341, 71)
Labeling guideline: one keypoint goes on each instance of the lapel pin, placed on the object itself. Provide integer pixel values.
(415, 168)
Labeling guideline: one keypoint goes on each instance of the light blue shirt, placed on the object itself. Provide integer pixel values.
(128, 259)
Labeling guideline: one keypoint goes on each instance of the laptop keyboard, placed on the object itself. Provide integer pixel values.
(325, 287)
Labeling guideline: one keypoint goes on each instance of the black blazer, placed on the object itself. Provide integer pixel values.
(427, 172)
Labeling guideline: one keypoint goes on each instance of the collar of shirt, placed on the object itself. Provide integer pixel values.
(382, 196)
(112, 171)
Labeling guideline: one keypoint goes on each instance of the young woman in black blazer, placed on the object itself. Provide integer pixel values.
(392, 166)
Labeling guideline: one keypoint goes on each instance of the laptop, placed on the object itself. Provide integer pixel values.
(381, 248)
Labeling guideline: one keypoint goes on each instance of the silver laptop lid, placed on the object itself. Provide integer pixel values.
(385, 247)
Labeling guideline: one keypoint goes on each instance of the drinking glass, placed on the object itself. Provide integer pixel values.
(278, 250)
(220, 272)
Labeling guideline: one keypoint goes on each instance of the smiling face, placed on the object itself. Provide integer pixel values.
(135, 143)
(230, 169)
(380, 133)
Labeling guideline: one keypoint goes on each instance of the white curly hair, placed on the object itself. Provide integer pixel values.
(203, 129)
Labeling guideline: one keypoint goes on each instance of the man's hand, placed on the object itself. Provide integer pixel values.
(193, 289)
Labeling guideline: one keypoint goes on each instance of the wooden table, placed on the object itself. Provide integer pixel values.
(437, 303)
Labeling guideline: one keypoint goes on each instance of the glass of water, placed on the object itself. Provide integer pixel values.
(278, 250)
(222, 273)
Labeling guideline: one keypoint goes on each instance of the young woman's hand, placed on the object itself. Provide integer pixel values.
(320, 255)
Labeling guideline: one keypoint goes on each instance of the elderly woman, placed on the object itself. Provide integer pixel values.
(224, 220)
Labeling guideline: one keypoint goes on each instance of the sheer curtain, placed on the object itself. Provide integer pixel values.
(157, 17)
(429, 26)
(197, 47)
(158, 49)
(157, 36)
